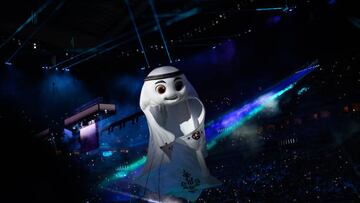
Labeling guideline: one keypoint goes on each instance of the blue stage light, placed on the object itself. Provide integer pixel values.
(107, 153)
(303, 90)
(8, 63)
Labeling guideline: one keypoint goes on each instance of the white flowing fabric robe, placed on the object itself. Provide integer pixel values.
(177, 147)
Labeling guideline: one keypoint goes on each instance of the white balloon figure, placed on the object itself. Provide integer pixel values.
(175, 164)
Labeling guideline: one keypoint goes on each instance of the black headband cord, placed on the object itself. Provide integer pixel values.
(162, 76)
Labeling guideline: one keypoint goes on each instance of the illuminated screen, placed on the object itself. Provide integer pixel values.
(89, 138)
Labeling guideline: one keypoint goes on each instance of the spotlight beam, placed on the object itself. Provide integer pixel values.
(137, 32)
(284, 9)
(270, 9)
(93, 49)
(105, 50)
(34, 32)
(99, 46)
(151, 2)
(183, 16)
(39, 10)
(96, 48)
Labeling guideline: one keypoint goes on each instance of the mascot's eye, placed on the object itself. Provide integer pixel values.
(179, 85)
(160, 89)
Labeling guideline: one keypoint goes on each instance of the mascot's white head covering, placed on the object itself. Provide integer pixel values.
(177, 144)
(165, 86)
